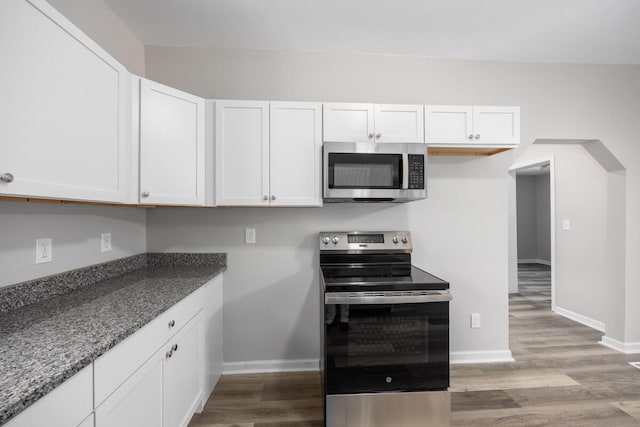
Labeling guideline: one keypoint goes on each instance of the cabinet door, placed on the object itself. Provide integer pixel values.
(242, 153)
(212, 325)
(171, 146)
(183, 376)
(295, 154)
(448, 124)
(88, 422)
(399, 123)
(348, 122)
(496, 125)
(138, 401)
(64, 108)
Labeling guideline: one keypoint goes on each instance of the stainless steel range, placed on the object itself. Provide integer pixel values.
(385, 333)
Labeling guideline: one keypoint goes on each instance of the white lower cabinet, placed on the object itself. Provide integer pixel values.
(66, 406)
(165, 391)
(183, 375)
(138, 402)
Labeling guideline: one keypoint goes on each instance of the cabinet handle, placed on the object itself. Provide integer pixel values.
(7, 177)
(478, 136)
(175, 347)
(273, 197)
(169, 354)
(145, 194)
(470, 136)
(265, 198)
(378, 135)
(172, 323)
(370, 136)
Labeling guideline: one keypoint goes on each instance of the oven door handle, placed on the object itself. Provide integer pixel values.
(389, 298)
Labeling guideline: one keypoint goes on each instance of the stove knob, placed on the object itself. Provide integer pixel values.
(405, 239)
(335, 240)
(395, 239)
(326, 240)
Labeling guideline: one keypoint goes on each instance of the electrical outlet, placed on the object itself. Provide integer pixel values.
(475, 320)
(566, 224)
(105, 240)
(44, 251)
(250, 235)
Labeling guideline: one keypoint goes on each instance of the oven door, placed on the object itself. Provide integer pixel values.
(386, 342)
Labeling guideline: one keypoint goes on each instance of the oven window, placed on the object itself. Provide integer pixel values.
(377, 347)
(365, 171)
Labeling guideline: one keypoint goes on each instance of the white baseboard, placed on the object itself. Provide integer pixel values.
(587, 321)
(534, 261)
(622, 347)
(497, 356)
(263, 366)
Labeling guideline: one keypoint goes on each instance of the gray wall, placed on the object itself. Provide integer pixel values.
(461, 231)
(581, 187)
(75, 229)
(534, 228)
(543, 217)
(527, 217)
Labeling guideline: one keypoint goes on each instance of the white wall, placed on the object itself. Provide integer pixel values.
(463, 236)
(543, 217)
(74, 228)
(104, 27)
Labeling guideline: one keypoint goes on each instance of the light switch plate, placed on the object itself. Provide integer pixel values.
(475, 320)
(44, 251)
(566, 224)
(249, 235)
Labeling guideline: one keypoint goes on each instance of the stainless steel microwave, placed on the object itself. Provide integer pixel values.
(374, 172)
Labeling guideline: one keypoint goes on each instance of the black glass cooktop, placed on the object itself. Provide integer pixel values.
(346, 281)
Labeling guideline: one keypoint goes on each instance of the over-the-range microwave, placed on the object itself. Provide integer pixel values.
(374, 172)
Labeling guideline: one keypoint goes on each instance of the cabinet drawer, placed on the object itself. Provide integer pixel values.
(119, 363)
(67, 405)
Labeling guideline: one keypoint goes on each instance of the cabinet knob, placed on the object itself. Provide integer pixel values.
(378, 135)
(145, 194)
(477, 136)
(172, 323)
(7, 177)
(470, 136)
(265, 198)
(370, 136)
(273, 197)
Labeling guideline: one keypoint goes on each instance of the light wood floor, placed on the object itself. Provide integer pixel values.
(561, 377)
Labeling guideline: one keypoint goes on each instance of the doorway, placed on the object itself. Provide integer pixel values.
(535, 216)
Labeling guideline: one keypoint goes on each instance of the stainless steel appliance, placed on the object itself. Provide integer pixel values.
(374, 172)
(385, 333)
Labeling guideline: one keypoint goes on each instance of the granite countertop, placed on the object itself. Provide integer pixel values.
(50, 340)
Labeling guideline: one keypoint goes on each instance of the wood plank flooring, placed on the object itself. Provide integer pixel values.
(561, 377)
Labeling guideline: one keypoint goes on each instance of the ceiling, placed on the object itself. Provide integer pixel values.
(560, 31)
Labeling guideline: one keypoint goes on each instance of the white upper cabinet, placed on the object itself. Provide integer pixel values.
(268, 154)
(172, 132)
(65, 109)
(373, 123)
(295, 154)
(447, 125)
(242, 153)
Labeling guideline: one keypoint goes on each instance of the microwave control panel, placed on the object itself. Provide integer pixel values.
(416, 172)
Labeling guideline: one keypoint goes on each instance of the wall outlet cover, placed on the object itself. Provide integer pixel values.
(105, 242)
(249, 235)
(475, 320)
(44, 251)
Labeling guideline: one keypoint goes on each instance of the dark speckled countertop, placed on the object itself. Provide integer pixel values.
(50, 340)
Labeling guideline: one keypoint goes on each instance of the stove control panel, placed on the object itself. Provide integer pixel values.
(363, 241)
